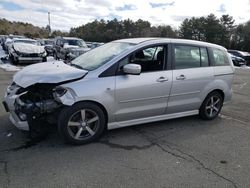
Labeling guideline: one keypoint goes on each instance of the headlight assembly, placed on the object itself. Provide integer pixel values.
(59, 92)
(63, 95)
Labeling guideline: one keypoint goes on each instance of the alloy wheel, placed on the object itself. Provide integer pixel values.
(83, 124)
(213, 106)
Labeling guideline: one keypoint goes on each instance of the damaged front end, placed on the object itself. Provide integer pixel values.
(36, 105)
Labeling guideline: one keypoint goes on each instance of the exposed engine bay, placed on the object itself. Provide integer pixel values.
(37, 101)
(38, 104)
(38, 94)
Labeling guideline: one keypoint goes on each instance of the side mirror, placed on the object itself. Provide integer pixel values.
(134, 69)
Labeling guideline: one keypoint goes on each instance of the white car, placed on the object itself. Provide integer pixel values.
(26, 51)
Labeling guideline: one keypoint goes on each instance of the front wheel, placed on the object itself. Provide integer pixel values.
(211, 106)
(81, 123)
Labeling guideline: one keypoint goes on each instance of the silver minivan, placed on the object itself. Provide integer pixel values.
(121, 83)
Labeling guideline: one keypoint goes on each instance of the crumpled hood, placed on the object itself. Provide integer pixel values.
(52, 72)
(28, 48)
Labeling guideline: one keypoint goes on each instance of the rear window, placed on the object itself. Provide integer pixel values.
(220, 57)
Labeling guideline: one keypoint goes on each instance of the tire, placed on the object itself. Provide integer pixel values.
(81, 123)
(12, 59)
(44, 59)
(211, 106)
(55, 56)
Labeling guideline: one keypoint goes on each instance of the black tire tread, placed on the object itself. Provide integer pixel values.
(202, 109)
(66, 113)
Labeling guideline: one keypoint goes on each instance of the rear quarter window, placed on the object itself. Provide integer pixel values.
(220, 58)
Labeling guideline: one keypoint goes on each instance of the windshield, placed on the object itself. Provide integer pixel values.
(26, 41)
(97, 57)
(73, 42)
(48, 42)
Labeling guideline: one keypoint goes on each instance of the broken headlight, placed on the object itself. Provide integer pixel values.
(63, 95)
(59, 92)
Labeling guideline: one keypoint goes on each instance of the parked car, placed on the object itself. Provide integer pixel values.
(88, 44)
(48, 45)
(6, 41)
(244, 55)
(96, 44)
(6, 45)
(3, 42)
(68, 48)
(237, 61)
(26, 51)
(2, 37)
(114, 86)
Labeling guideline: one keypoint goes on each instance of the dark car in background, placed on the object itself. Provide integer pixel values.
(237, 61)
(96, 44)
(68, 48)
(2, 38)
(244, 55)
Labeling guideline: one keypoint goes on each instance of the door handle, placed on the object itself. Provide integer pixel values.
(162, 79)
(181, 77)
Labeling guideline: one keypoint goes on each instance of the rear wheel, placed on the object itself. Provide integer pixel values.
(81, 123)
(211, 106)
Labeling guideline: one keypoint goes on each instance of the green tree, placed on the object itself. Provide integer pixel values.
(227, 26)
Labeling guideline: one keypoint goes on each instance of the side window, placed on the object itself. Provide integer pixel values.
(220, 58)
(190, 57)
(150, 59)
(186, 57)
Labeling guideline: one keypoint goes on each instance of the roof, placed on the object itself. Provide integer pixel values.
(135, 40)
(71, 38)
(169, 40)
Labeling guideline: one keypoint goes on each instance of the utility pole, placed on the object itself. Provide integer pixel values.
(49, 23)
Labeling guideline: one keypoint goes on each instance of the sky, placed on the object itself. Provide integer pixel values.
(66, 14)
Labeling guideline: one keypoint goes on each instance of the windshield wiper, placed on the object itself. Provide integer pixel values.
(76, 66)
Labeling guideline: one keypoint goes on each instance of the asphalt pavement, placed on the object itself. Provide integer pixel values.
(185, 152)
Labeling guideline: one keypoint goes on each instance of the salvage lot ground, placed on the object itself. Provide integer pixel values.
(186, 152)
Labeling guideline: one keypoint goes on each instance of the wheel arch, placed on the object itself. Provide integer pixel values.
(220, 91)
(208, 93)
(220, 86)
